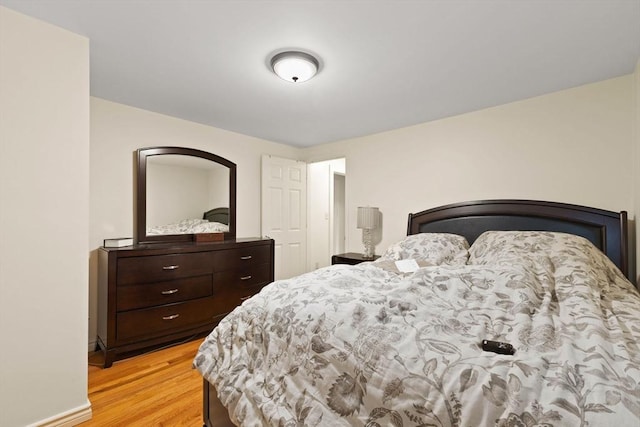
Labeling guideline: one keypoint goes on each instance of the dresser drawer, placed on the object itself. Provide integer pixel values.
(238, 296)
(242, 284)
(159, 293)
(241, 257)
(243, 277)
(163, 319)
(163, 267)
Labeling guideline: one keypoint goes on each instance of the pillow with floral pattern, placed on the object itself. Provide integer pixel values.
(430, 249)
(540, 249)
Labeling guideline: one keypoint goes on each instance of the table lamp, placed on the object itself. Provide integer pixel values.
(368, 221)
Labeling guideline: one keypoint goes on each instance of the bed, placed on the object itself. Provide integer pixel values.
(373, 345)
(213, 221)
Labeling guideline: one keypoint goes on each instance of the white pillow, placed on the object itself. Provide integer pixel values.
(430, 249)
(507, 247)
(560, 254)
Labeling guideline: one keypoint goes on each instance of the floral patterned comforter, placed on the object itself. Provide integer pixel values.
(189, 226)
(368, 346)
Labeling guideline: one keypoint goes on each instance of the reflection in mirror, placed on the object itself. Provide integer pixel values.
(181, 192)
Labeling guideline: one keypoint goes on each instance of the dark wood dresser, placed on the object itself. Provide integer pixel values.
(157, 294)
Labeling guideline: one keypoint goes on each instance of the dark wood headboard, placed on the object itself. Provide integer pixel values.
(605, 229)
(220, 215)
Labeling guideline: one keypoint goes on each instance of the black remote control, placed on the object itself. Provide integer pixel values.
(498, 347)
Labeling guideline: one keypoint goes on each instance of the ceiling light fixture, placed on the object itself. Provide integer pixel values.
(294, 66)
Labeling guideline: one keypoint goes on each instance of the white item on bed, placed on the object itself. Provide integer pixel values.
(407, 265)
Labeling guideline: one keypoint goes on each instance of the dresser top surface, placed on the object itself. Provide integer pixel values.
(185, 247)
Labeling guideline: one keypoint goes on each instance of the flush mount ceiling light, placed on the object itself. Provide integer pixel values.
(294, 67)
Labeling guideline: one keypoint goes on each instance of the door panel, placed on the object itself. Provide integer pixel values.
(284, 210)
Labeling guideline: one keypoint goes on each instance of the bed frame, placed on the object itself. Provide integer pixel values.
(605, 229)
(220, 215)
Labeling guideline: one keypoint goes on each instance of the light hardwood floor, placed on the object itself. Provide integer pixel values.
(154, 389)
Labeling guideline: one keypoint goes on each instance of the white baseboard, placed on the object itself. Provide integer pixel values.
(68, 418)
(92, 346)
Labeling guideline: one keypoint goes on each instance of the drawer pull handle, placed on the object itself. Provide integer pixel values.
(245, 298)
(170, 267)
(173, 316)
(245, 278)
(246, 257)
(169, 292)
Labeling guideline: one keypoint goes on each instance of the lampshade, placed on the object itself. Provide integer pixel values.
(367, 218)
(295, 67)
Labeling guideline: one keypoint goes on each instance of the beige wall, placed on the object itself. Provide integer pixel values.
(118, 130)
(44, 216)
(571, 146)
(323, 228)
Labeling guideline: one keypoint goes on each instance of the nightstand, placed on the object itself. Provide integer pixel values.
(351, 258)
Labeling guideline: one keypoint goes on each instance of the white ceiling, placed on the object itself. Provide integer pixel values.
(384, 64)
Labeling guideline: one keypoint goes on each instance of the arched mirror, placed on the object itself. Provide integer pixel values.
(183, 191)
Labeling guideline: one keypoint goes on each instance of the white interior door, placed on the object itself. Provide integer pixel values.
(284, 213)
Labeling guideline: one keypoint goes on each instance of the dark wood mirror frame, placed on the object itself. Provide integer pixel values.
(140, 193)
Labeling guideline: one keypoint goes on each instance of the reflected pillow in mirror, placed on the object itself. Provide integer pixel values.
(189, 226)
(210, 227)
